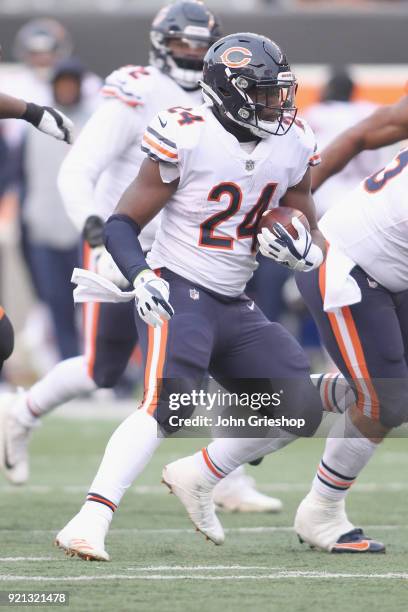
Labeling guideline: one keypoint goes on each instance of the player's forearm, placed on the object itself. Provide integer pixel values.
(122, 241)
(320, 240)
(335, 157)
(11, 108)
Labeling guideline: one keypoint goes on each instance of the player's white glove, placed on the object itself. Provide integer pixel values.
(50, 121)
(152, 298)
(299, 254)
(56, 124)
(106, 267)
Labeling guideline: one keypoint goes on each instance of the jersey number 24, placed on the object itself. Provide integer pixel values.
(248, 226)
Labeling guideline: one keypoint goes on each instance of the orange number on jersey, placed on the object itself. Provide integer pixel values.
(186, 118)
(139, 71)
(248, 226)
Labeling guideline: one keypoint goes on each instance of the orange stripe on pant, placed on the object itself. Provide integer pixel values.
(91, 317)
(156, 357)
(348, 343)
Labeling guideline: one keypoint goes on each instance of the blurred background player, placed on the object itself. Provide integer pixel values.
(336, 111)
(51, 239)
(53, 123)
(103, 161)
(39, 46)
(367, 338)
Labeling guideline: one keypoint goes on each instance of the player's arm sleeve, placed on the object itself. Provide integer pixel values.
(386, 126)
(108, 132)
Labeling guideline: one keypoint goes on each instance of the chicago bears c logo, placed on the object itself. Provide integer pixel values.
(236, 57)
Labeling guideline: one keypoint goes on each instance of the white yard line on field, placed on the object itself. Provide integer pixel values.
(280, 575)
(278, 487)
(191, 531)
(14, 559)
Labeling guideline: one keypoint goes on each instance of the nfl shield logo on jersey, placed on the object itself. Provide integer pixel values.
(194, 294)
(249, 165)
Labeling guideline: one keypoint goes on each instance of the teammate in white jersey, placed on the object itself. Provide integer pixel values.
(194, 318)
(100, 166)
(367, 339)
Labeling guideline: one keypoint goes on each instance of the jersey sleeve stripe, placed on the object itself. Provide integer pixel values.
(315, 160)
(152, 156)
(159, 148)
(162, 139)
(114, 92)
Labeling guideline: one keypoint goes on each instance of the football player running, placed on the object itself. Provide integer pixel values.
(213, 170)
(367, 334)
(100, 166)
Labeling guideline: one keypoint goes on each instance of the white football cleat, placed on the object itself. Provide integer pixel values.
(83, 538)
(237, 493)
(14, 439)
(185, 480)
(323, 524)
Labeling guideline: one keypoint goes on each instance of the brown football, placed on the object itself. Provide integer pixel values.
(283, 215)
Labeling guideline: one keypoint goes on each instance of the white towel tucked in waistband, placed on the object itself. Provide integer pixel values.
(92, 287)
(341, 288)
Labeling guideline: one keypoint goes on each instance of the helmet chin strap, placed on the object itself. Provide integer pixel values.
(241, 133)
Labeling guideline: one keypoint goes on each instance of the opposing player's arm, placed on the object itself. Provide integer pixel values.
(44, 118)
(306, 252)
(11, 108)
(386, 126)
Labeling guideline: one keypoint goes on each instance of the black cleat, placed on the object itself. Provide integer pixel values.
(356, 541)
(256, 461)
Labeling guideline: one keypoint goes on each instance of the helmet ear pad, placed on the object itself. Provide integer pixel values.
(248, 77)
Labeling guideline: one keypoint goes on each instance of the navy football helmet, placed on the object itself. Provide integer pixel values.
(248, 80)
(42, 36)
(196, 28)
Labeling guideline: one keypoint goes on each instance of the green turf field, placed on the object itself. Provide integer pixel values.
(160, 563)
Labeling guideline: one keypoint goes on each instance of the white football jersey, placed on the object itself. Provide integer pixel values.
(208, 228)
(107, 155)
(371, 224)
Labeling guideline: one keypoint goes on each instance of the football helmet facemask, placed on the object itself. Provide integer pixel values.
(248, 80)
(180, 36)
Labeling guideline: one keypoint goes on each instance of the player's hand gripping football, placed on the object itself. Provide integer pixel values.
(152, 298)
(299, 253)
